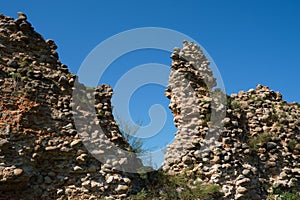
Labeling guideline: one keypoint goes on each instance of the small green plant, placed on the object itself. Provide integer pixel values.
(200, 192)
(279, 194)
(54, 81)
(25, 78)
(235, 105)
(283, 115)
(256, 141)
(232, 104)
(280, 108)
(24, 62)
(139, 196)
(129, 133)
(292, 143)
(164, 186)
(290, 196)
(101, 113)
(16, 76)
(142, 173)
(274, 117)
(207, 117)
(229, 100)
(259, 99)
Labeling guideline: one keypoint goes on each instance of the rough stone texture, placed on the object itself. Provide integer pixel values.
(255, 150)
(42, 155)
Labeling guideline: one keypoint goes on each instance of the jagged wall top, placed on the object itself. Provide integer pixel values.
(42, 155)
(195, 61)
(257, 147)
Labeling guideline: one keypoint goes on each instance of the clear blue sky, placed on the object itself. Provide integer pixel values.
(250, 41)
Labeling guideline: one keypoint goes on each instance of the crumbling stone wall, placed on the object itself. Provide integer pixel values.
(190, 84)
(42, 155)
(257, 146)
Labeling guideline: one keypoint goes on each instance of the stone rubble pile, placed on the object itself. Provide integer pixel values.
(42, 154)
(257, 145)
